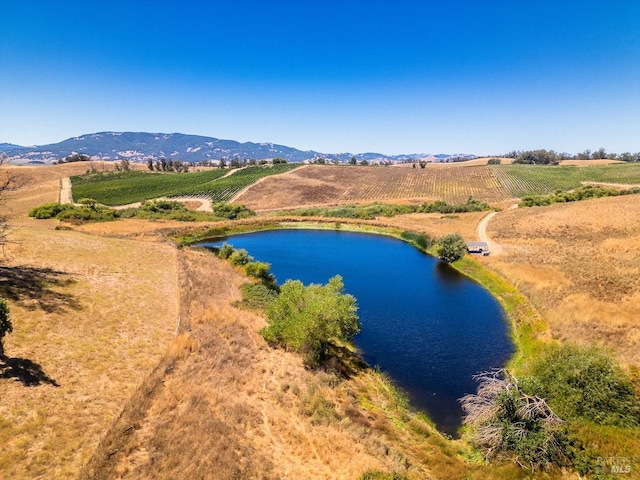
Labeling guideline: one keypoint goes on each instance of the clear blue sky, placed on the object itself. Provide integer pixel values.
(476, 76)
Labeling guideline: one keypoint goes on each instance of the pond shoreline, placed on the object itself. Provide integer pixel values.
(517, 310)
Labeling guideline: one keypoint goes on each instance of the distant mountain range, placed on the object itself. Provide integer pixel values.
(139, 146)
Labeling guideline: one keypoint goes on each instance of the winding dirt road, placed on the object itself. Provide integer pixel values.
(481, 229)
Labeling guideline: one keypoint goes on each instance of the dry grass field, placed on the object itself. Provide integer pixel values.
(328, 185)
(580, 264)
(87, 328)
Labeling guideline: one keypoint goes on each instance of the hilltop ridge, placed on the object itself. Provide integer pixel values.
(138, 146)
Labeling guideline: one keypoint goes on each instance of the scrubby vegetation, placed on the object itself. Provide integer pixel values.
(121, 188)
(509, 423)
(258, 270)
(306, 319)
(418, 240)
(585, 384)
(90, 211)
(373, 210)
(5, 322)
(582, 193)
(568, 396)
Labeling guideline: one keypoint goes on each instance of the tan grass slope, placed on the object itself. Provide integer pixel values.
(87, 327)
(580, 264)
(232, 407)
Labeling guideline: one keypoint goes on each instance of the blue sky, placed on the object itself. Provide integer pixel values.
(476, 76)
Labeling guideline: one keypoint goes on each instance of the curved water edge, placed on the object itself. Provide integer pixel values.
(425, 324)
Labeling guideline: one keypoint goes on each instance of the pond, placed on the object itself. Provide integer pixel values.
(424, 324)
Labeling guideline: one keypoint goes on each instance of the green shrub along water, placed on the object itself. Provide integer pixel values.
(584, 383)
(373, 210)
(308, 319)
(582, 193)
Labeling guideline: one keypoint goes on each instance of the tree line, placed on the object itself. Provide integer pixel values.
(551, 157)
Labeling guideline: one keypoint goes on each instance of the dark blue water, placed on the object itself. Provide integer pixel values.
(423, 323)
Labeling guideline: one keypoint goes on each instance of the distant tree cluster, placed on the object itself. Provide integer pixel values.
(75, 157)
(538, 157)
(550, 157)
(164, 165)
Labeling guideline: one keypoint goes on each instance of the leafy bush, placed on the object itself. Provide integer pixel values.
(307, 318)
(451, 247)
(380, 475)
(225, 251)
(240, 257)
(49, 210)
(162, 206)
(230, 211)
(586, 384)
(261, 271)
(5, 322)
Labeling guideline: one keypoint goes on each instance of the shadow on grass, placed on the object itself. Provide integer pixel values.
(344, 362)
(35, 288)
(25, 371)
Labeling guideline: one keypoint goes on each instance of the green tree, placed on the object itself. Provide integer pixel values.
(308, 318)
(5, 323)
(451, 247)
(599, 154)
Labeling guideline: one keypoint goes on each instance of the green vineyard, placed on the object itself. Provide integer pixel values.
(521, 180)
(122, 188)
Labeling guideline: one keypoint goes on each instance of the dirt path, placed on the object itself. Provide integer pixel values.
(65, 190)
(610, 184)
(494, 247)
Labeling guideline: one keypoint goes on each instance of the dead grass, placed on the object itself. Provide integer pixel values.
(86, 329)
(237, 397)
(580, 264)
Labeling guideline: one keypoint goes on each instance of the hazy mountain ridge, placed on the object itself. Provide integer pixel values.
(138, 146)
